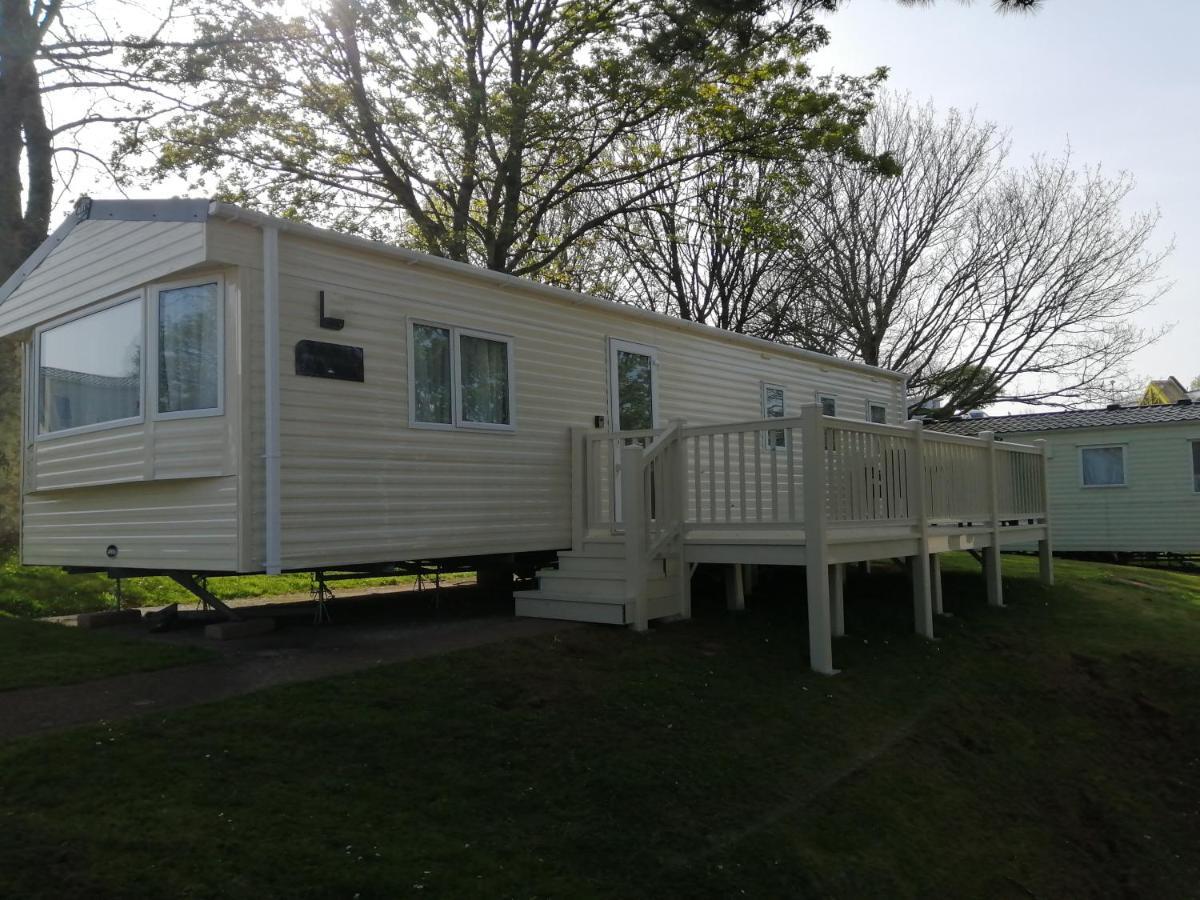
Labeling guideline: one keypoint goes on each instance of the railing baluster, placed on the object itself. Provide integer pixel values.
(742, 475)
(728, 498)
(712, 478)
(774, 451)
(758, 435)
(790, 443)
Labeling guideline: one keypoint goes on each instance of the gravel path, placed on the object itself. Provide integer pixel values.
(298, 651)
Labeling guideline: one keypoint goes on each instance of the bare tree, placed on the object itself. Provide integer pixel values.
(982, 281)
(707, 245)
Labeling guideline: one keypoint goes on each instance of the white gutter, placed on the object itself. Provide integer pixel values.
(273, 542)
(236, 213)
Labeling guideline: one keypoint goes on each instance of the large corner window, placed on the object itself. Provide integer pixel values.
(773, 408)
(189, 349)
(90, 370)
(1102, 466)
(460, 378)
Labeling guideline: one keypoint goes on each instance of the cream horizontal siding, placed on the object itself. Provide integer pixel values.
(100, 260)
(360, 485)
(187, 524)
(162, 490)
(107, 456)
(1157, 511)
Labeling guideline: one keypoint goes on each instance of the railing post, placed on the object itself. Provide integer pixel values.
(633, 505)
(680, 462)
(579, 493)
(816, 549)
(922, 593)
(991, 564)
(1045, 546)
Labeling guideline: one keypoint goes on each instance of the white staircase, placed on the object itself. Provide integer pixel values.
(589, 585)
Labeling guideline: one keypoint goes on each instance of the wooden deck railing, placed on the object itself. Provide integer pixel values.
(812, 472)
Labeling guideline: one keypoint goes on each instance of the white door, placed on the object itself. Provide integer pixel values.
(633, 399)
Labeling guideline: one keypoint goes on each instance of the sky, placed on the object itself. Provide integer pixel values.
(1119, 80)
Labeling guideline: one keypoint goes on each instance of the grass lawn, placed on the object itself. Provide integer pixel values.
(36, 653)
(1046, 750)
(33, 591)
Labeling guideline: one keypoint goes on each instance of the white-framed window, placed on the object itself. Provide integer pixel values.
(460, 378)
(188, 339)
(828, 404)
(773, 407)
(1102, 466)
(876, 412)
(90, 369)
(1196, 466)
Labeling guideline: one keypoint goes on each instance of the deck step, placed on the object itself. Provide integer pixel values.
(591, 585)
(609, 549)
(544, 605)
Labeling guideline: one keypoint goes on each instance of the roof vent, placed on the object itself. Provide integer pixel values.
(1186, 401)
(1112, 406)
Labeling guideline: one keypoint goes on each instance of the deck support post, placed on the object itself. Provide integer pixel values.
(919, 565)
(935, 583)
(837, 606)
(633, 512)
(735, 587)
(1045, 547)
(991, 556)
(816, 550)
(992, 574)
(1045, 562)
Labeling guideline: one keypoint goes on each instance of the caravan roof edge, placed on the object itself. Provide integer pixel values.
(232, 212)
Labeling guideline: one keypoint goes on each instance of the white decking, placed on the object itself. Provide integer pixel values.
(649, 506)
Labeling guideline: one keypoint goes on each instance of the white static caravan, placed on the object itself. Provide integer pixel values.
(1122, 480)
(212, 391)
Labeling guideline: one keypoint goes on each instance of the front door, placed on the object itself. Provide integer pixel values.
(633, 399)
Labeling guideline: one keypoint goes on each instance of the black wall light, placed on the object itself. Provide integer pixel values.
(333, 324)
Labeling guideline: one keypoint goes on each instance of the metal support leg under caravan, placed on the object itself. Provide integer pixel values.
(207, 597)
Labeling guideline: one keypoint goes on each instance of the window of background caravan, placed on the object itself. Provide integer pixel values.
(189, 334)
(1102, 466)
(877, 413)
(1196, 466)
(828, 404)
(90, 369)
(773, 408)
(460, 378)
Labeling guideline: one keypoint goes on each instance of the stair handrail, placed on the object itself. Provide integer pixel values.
(640, 516)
